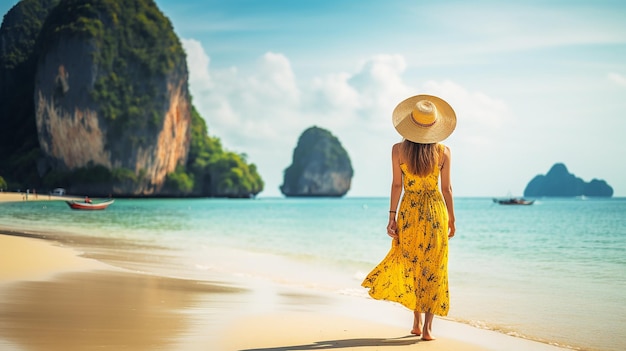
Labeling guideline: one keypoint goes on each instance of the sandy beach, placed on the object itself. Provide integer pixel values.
(53, 298)
(16, 197)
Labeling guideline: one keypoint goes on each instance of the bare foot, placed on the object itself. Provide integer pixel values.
(426, 334)
(428, 325)
(417, 324)
(428, 337)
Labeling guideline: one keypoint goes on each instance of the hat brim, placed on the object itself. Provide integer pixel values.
(410, 130)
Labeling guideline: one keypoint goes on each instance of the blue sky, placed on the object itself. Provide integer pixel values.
(533, 83)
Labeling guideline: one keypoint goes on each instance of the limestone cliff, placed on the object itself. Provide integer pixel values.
(18, 133)
(320, 166)
(101, 99)
(94, 98)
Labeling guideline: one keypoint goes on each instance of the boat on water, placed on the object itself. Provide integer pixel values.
(89, 205)
(514, 201)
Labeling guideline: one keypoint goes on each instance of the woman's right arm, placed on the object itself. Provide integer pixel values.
(446, 190)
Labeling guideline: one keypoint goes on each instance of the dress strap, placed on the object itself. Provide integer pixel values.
(442, 149)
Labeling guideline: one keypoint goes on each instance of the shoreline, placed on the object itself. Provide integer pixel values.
(10, 196)
(210, 311)
(193, 314)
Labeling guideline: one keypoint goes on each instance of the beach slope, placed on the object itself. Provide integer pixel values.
(53, 298)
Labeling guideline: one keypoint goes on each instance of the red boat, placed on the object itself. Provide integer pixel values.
(83, 205)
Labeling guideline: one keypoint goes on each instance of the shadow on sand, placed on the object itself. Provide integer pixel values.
(345, 344)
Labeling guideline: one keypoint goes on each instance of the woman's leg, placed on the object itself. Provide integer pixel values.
(417, 323)
(428, 327)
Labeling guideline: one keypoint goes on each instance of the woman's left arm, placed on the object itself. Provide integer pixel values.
(396, 191)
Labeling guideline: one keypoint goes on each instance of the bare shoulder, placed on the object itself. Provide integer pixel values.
(446, 156)
(395, 149)
(395, 152)
(446, 150)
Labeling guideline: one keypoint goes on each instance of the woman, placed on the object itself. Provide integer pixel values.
(415, 271)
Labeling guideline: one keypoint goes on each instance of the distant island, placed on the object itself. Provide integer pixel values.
(320, 166)
(558, 182)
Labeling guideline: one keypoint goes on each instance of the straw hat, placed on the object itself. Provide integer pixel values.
(424, 119)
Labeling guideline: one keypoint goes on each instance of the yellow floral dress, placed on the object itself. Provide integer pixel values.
(415, 271)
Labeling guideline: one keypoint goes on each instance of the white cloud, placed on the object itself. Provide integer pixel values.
(360, 99)
(275, 79)
(334, 92)
(263, 113)
(199, 61)
(479, 116)
(380, 84)
(243, 110)
(617, 78)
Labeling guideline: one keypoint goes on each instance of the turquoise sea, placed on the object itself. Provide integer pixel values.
(554, 271)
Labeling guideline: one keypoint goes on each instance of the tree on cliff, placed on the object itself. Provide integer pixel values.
(320, 166)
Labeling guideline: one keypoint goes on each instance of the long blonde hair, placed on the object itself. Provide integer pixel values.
(421, 159)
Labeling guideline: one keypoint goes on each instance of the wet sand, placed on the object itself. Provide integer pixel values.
(53, 299)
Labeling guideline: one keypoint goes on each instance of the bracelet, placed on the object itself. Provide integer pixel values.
(392, 211)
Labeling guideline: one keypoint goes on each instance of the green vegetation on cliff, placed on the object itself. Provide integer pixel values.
(28, 18)
(214, 171)
(132, 41)
(19, 147)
